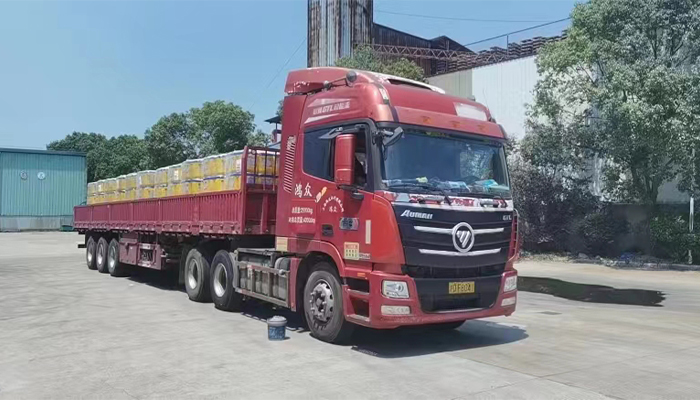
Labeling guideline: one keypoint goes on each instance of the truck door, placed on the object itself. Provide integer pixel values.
(321, 209)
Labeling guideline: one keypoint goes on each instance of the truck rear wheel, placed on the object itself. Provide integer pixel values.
(101, 255)
(114, 267)
(323, 305)
(90, 246)
(197, 276)
(223, 275)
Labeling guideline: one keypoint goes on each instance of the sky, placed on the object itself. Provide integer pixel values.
(117, 67)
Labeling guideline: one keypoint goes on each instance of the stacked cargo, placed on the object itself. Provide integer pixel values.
(211, 174)
(145, 184)
(191, 176)
(175, 180)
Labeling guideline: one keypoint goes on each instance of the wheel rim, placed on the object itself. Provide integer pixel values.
(220, 280)
(322, 301)
(193, 274)
(90, 252)
(100, 254)
(112, 258)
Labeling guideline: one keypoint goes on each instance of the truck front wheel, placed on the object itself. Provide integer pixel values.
(323, 305)
(223, 276)
(90, 246)
(197, 276)
(101, 255)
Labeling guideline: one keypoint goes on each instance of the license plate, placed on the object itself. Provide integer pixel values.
(461, 287)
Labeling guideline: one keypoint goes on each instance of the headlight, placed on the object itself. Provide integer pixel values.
(510, 284)
(395, 289)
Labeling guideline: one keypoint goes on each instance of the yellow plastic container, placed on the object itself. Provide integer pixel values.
(131, 194)
(213, 166)
(213, 185)
(175, 174)
(121, 182)
(192, 187)
(175, 189)
(145, 193)
(161, 176)
(232, 162)
(131, 181)
(99, 187)
(266, 181)
(91, 189)
(111, 185)
(161, 191)
(192, 170)
(265, 165)
(232, 182)
(145, 179)
(91, 199)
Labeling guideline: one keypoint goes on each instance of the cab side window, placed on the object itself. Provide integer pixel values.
(319, 156)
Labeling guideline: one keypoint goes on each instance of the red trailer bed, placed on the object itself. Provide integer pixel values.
(250, 210)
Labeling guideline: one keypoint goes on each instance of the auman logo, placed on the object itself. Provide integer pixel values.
(412, 214)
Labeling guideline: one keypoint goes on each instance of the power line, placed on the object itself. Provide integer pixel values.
(454, 18)
(278, 72)
(518, 31)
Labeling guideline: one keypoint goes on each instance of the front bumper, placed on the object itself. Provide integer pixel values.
(374, 301)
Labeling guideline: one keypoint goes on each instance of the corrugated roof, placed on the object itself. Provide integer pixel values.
(38, 151)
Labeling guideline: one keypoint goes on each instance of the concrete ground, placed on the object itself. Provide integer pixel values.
(68, 332)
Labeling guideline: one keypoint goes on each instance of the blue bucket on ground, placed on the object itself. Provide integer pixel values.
(276, 328)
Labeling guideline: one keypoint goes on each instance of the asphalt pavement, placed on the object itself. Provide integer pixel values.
(68, 332)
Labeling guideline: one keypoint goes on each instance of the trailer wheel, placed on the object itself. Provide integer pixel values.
(101, 255)
(114, 267)
(323, 305)
(197, 276)
(90, 246)
(223, 275)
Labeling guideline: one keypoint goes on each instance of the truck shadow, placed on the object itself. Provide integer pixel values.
(591, 293)
(164, 280)
(418, 341)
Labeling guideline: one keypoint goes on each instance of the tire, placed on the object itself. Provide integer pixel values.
(323, 305)
(223, 274)
(197, 276)
(101, 255)
(90, 247)
(115, 267)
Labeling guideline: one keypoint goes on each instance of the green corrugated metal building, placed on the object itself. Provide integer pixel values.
(39, 188)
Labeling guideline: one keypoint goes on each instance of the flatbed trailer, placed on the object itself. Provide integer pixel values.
(365, 226)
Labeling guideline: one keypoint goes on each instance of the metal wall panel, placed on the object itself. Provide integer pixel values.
(335, 28)
(23, 193)
(506, 89)
(455, 83)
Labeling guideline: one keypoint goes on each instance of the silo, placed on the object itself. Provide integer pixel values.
(335, 28)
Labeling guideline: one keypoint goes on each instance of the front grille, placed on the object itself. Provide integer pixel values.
(434, 296)
(456, 273)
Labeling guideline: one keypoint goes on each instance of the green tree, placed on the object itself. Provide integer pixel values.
(259, 138)
(363, 58)
(106, 158)
(92, 144)
(221, 127)
(624, 85)
(171, 140)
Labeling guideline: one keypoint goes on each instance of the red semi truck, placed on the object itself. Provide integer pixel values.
(392, 208)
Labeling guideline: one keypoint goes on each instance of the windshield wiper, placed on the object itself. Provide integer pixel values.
(424, 186)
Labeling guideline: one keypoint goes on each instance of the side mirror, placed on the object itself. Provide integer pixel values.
(345, 158)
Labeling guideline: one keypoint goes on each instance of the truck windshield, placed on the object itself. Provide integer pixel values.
(429, 161)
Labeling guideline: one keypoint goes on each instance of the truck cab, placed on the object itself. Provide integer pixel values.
(400, 194)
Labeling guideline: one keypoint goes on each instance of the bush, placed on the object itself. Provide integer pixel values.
(671, 238)
(548, 207)
(598, 232)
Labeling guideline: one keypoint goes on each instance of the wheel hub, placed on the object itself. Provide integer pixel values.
(220, 280)
(192, 274)
(100, 254)
(322, 301)
(112, 259)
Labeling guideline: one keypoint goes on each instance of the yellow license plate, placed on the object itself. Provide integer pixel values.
(461, 287)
